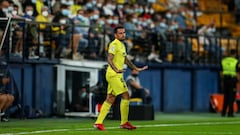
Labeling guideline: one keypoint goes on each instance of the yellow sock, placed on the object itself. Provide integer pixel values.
(124, 109)
(103, 113)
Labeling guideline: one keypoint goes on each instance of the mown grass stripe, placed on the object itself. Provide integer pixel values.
(139, 126)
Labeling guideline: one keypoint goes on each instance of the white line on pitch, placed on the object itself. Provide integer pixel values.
(155, 125)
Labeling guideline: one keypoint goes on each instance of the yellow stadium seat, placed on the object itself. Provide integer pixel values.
(196, 47)
(136, 101)
(160, 6)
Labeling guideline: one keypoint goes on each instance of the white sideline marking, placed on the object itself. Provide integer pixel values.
(155, 125)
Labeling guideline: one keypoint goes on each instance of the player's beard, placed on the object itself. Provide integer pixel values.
(122, 39)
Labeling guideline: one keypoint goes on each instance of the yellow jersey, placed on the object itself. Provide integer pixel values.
(117, 48)
(229, 66)
(42, 20)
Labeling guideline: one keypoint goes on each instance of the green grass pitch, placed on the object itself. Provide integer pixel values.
(164, 124)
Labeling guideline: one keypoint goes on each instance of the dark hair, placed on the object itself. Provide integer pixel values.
(233, 52)
(118, 27)
(64, 6)
(1, 1)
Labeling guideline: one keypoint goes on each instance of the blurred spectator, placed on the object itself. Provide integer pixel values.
(28, 14)
(181, 49)
(148, 11)
(162, 27)
(56, 6)
(62, 31)
(181, 18)
(67, 2)
(17, 32)
(32, 3)
(20, 7)
(109, 7)
(31, 28)
(127, 9)
(103, 33)
(99, 4)
(172, 26)
(160, 37)
(137, 9)
(4, 8)
(80, 35)
(76, 6)
(14, 11)
(44, 28)
(90, 5)
(135, 15)
(121, 1)
(4, 5)
(131, 33)
(175, 3)
(119, 12)
(207, 38)
(82, 100)
(142, 47)
(130, 27)
(94, 41)
(43, 18)
(190, 19)
(6, 98)
(136, 90)
(178, 48)
(151, 1)
(39, 6)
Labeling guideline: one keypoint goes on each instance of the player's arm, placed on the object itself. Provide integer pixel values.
(110, 62)
(132, 66)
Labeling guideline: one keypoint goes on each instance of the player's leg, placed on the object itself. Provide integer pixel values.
(105, 108)
(3, 100)
(104, 111)
(225, 97)
(10, 99)
(124, 107)
(120, 88)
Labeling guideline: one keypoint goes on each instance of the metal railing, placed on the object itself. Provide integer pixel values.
(171, 48)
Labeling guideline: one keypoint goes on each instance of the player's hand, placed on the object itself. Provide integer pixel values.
(120, 71)
(143, 68)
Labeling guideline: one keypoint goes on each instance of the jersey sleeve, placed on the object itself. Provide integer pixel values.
(112, 48)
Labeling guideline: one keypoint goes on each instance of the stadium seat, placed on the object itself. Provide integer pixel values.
(235, 30)
(228, 44)
(135, 101)
(196, 47)
(160, 6)
(205, 19)
(136, 112)
(212, 5)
